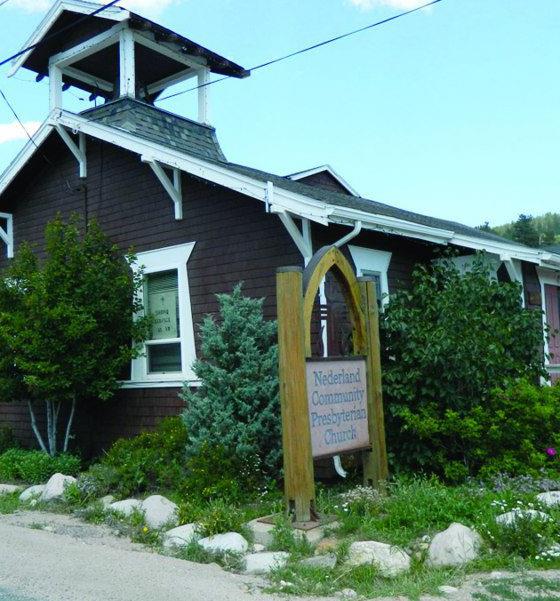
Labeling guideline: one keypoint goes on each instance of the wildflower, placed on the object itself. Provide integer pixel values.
(551, 452)
(145, 529)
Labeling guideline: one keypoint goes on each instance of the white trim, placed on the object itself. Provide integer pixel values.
(171, 80)
(330, 171)
(464, 264)
(378, 261)
(130, 385)
(127, 67)
(55, 88)
(91, 80)
(551, 278)
(76, 6)
(7, 235)
(162, 48)
(301, 240)
(89, 47)
(203, 95)
(155, 261)
(284, 200)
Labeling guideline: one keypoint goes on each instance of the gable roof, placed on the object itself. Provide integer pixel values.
(329, 171)
(155, 134)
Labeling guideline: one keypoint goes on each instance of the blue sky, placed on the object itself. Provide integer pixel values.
(453, 111)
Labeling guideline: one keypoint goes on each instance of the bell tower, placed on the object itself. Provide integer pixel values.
(113, 53)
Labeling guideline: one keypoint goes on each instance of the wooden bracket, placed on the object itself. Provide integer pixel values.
(173, 188)
(302, 239)
(78, 150)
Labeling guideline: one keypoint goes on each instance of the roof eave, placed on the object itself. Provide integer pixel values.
(80, 6)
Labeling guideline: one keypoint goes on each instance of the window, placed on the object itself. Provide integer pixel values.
(169, 351)
(375, 264)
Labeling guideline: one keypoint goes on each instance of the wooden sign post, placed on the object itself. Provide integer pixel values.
(339, 400)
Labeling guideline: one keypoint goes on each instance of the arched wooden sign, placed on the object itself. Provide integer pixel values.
(333, 405)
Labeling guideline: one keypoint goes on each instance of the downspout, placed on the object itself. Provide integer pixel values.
(323, 299)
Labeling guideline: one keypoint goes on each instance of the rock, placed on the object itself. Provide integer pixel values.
(348, 593)
(127, 507)
(509, 518)
(107, 500)
(54, 488)
(447, 590)
(8, 489)
(327, 545)
(455, 546)
(262, 533)
(181, 536)
(31, 492)
(263, 563)
(160, 511)
(391, 561)
(231, 542)
(549, 499)
(320, 561)
(258, 548)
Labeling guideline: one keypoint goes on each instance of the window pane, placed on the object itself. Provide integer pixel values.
(164, 358)
(163, 304)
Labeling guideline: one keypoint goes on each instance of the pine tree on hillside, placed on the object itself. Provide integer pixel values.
(525, 232)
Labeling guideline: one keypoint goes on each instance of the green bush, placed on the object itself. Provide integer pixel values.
(7, 440)
(36, 467)
(151, 461)
(450, 340)
(237, 404)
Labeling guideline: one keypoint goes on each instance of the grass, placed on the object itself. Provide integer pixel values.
(519, 589)
(9, 503)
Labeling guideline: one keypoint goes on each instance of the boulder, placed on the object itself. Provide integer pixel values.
(8, 489)
(263, 533)
(181, 536)
(32, 492)
(455, 546)
(348, 593)
(549, 499)
(511, 517)
(263, 563)
(258, 548)
(231, 542)
(127, 507)
(106, 501)
(327, 561)
(448, 590)
(160, 511)
(390, 561)
(54, 488)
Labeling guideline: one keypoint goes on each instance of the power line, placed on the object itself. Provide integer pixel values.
(57, 33)
(309, 48)
(3, 2)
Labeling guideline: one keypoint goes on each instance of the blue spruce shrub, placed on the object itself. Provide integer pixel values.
(237, 405)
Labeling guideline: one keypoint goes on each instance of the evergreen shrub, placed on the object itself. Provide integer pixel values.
(237, 404)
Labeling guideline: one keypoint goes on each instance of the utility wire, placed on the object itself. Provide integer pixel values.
(3, 2)
(309, 48)
(59, 32)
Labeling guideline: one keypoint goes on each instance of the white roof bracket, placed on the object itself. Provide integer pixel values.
(173, 188)
(78, 150)
(301, 239)
(7, 234)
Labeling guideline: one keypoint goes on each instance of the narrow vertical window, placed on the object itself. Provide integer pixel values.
(164, 348)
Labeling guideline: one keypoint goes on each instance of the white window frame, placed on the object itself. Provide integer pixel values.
(551, 278)
(157, 261)
(378, 261)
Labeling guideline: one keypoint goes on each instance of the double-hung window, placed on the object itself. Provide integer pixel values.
(169, 350)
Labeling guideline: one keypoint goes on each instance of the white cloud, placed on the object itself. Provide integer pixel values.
(9, 132)
(369, 4)
(144, 7)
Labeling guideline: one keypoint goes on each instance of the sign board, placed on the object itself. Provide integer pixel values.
(163, 308)
(337, 402)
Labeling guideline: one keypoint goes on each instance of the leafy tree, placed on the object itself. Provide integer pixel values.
(449, 340)
(236, 406)
(66, 325)
(525, 232)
